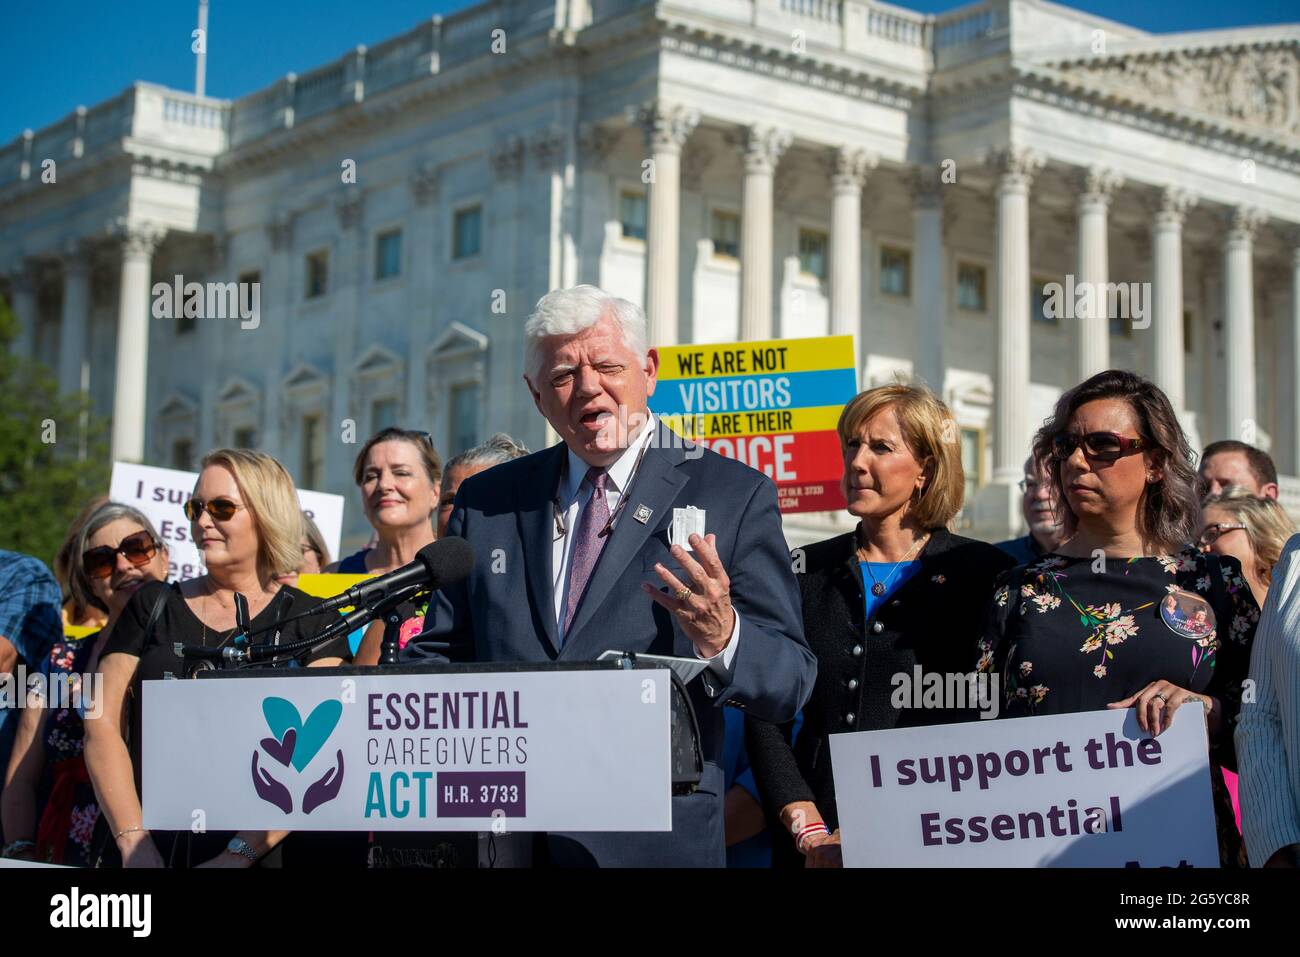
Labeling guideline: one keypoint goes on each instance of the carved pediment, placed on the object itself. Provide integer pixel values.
(177, 408)
(238, 391)
(1256, 85)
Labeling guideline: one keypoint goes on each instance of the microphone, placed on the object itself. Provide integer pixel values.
(444, 562)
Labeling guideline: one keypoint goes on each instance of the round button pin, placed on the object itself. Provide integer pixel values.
(1189, 615)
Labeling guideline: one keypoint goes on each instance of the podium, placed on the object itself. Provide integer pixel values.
(581, 746)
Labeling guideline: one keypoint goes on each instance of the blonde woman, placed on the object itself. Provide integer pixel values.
(1251, 529)
(244, 515)
(899, 592)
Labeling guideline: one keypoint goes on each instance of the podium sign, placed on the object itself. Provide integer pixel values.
(581, 750)
(1072, 790)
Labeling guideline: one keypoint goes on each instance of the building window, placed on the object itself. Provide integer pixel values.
(318, 269)
(971, 285)
(467, 232)
(972, 460)
(895, 271)
(182, 454)
(1188, 326)
(1039, 301)
(383, 414)
(388, 254)
(725, 233)
(632, 215)
(464, 417)
(246, 437)
(313, 451)
(812, 252)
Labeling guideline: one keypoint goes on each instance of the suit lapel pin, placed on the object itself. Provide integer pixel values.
(643, 513)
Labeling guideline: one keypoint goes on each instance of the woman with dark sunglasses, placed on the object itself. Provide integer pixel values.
(115, 552)
(245, 517)
(1128, 613)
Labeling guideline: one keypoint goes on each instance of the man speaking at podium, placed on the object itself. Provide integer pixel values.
(591, 534)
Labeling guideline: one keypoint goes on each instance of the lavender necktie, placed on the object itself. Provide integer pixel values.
(587, 543)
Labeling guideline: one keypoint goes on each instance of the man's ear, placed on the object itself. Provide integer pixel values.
(651, 368)
(537, 396)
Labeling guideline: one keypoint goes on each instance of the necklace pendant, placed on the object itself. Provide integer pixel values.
(878, 589)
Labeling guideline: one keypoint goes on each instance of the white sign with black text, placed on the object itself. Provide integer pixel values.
(1075, 790)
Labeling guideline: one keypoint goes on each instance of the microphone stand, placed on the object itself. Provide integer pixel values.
(386, 607)
(388, 610)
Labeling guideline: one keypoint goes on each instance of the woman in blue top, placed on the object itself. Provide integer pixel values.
(886, 609)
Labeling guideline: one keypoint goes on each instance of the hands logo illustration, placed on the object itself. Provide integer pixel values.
(295, 742)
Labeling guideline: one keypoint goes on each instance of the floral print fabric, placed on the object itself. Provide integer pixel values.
(1074, 634)
(64, 739)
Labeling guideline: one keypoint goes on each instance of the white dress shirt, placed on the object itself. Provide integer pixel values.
(574, 494)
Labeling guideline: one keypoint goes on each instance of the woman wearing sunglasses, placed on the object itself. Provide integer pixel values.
(1252, 530)
(1128, 613)
(116, 553)
(245, 517)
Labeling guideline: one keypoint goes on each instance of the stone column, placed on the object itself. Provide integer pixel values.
(75, 319)
(1292, 439)
(1012, 429)
(347, 287)
(929, 272)
(130, 385)
(423, 258)
(763, 148)
(22, 299)
(1092, 343)
(849, 170)
(666, 128)
(1240, 421)
(1167, 308)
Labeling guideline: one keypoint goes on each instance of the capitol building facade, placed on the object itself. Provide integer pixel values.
(937, 186)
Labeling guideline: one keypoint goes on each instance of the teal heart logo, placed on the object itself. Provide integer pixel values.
(310, 735)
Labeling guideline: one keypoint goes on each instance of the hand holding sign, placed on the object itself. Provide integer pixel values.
(1157, 702)
(704, 606)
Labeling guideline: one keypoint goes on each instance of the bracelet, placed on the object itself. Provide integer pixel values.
(128, 830)
(15, 846)
(807, 831)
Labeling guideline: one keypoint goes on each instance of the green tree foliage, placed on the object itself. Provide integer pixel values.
(48, 468)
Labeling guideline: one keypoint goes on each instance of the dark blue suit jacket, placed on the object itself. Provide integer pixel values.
(507, 513)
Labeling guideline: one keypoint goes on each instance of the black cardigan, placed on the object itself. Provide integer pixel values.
(935, 619)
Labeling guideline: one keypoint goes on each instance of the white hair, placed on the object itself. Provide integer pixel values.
(567, 312)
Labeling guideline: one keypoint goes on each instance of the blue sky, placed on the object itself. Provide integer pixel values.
(56, 54)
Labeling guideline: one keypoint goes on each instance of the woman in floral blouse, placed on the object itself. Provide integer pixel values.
(116, 552)
(1128, 613)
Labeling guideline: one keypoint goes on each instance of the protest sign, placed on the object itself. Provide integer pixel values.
(773, 405)
(161, 494)
(1074, 790)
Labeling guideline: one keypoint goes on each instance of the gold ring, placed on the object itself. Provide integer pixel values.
(1161, 696)
(684, 594)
